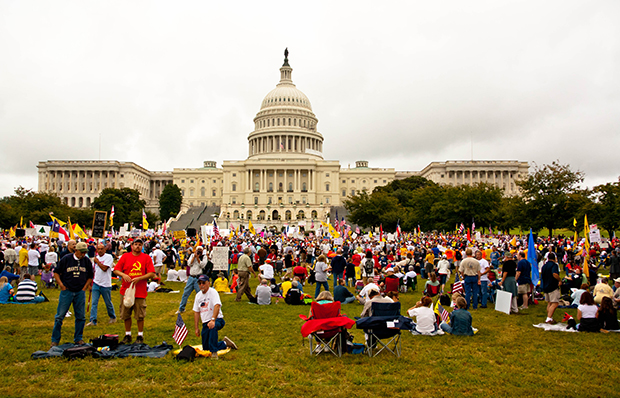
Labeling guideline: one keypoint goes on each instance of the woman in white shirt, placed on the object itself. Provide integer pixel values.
(586, 314)
(425, 316)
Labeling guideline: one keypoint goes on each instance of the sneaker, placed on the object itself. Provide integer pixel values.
(140, 340)
(53, 344)
(551, 322)
(179, 312)
(230, 343)
(214, 355)
(81, 342)
(112, 320)
(127, 339)
(91, 324)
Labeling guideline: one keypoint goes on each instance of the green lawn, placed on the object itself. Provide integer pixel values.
(508, 357)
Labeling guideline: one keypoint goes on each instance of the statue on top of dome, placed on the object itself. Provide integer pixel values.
(286, 57)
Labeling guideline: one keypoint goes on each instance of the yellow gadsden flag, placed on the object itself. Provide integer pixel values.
(71, 234)
(145, 223)
(331, 229)
(586, 247)
(77, 230)
(251, 227)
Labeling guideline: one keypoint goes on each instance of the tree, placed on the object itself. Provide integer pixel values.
(127, 205)
(547, 194)
(371, 210)
(607, 205)
(170, 201)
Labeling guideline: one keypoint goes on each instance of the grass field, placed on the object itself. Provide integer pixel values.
(508, 357)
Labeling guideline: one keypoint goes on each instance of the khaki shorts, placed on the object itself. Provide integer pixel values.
(139, 307)
(523, 289)
(159, 269)
(553, 297)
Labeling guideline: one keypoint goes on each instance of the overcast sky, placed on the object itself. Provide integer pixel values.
(400, 84)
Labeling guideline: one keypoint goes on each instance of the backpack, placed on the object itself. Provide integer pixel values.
(188, 353)
(78, 352)
(105, 340)
(369, 266)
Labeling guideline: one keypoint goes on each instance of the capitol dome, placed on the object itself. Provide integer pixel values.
(285, 125)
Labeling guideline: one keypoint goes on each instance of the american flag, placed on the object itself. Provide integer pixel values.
(357, 230)
(473, 225)
(180, 331)
(445, 315)
(457, 287)
(461, 228)
(216, 230)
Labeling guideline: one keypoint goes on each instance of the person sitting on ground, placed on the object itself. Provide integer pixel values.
(393, 295)
(265, 270)
(325, 297)
(363, 296)
(263, 293)
(576, 296)
(294, 296)
(27, 291)
(602, 290)
(300, 284)
(221, 283)
(607, 316)
(432, 286)
(342, 294)
(275, 290)
(6, 290)
(460, 320)
(286, 285)
(173, 275)
(455, 296)
(424, 316)
(373, 297)
(586, 314)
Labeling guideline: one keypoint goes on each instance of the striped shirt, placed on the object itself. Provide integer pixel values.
(26, 290)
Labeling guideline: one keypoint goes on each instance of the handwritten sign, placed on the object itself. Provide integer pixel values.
(219, 258)
(99, 221)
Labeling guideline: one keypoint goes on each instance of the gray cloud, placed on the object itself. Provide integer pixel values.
(170, 85)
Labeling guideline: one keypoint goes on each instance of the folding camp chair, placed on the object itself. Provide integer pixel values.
(325, 328)
(383, 329)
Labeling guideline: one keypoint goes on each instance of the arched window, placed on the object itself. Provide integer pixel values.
(314, 214)
(261, 215)
(280, 187)
(236, 214)
(301, 215)
(249, 215)
(287, 215)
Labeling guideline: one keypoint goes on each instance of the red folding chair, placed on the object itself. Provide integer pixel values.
(324, 328)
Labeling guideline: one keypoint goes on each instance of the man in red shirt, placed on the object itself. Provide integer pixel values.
(135, 267)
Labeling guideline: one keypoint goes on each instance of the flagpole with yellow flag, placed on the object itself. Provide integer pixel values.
(586, 247)
(251, 227)
(71, 234)
(145, 223)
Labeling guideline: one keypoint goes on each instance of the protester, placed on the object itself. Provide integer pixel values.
(470, 269)
(607, 315)
(321, 269)
(263, 293)
(586, 314)
(135, 268)
(197, 266)
(524, 279)
(102, 285)
(601, 290)
(245, 267)
(508, 282)
(73, 275)
(27, 291)
(6, 290)
(460, 320)
(207, 311)
(342, 294)
(550, 276)
(424, 316)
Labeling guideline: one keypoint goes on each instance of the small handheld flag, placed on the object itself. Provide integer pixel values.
(180, 330)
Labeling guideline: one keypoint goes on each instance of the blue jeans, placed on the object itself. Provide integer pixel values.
(445, 327)
(348, 300)
(336, 277)
(65, 300)
(484, 291)
(318, 288)
(471, 288)
(190, 285)
(209, 336)
(104, 292)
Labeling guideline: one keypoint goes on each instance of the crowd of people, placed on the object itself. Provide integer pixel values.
(377, 270)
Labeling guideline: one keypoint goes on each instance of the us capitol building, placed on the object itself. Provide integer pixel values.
(284, 177)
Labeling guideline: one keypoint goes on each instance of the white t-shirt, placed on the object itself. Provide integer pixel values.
(152, 286)
(158, 257)
(104, 278)
(33, 257)
(425, 319)
(43, 247)
(588, 311)
(204, 303)
(368, 288)
(266, 270)
(484, 265)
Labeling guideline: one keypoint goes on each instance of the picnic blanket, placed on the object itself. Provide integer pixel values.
(122, 351)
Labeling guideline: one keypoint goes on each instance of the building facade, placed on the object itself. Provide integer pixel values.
(284, 177)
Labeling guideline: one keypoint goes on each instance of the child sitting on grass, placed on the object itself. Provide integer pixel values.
(460, 320)
(221, 283)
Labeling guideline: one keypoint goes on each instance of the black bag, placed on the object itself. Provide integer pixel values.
(81, 351)
(369, 266)
(106, 340)
(188, 353)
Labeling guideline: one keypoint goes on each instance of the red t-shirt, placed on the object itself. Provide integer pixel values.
(135, 266)
(357, 259)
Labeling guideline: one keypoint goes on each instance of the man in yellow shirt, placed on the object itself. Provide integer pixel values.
(23, 260)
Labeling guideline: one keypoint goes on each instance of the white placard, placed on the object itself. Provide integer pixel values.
(502, 301)
(354, 235)
(595, 236)
(219, 258)
(338, 242)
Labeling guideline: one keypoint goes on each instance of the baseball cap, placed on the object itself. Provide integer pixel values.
(203, 278)
(83, 247)
(138, 240)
